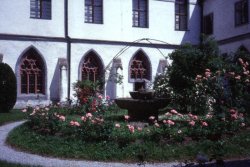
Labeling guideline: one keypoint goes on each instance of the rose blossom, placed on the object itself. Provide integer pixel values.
(126, 117)
(24, 110)
(195, 117)
(232, 111)
(242, 124)
(89, 115)
(234, 116)
(139, 129)
(117, 125)
(131, 128)
(208, 116)
(173, 111)
(107, 97)
(77, 123)
(192, 123)
(238, 77)
(168, 114)
(207, 74)
(84, 119)
(204, 124)
(151, 118)
(157, 125)
(62, 118)
(170, 122)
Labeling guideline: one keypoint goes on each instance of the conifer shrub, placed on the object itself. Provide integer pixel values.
(8, 88)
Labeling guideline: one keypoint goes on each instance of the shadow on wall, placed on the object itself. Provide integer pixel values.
(194, 27)
(55, 85)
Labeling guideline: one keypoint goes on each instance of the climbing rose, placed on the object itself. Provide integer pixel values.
(24, 110)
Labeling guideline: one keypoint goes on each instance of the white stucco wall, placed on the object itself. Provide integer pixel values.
(116, 29)
(224, 19)
(224, 23)
(117, 22)
(107, 52)
(50, 52)
(15, 19)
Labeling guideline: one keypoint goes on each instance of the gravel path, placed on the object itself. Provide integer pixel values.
(9, 154)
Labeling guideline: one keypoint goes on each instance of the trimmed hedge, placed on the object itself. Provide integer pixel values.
(8, 88)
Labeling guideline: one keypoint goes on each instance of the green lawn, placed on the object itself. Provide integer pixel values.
(12, 116)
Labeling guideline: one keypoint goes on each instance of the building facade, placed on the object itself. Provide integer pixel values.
(51, 44)
(229, 23)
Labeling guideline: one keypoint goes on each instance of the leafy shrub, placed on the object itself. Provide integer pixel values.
(85, 89)
(178, 81)
(8, 89)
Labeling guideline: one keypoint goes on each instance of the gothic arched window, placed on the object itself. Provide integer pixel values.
(92, 68)
(140, 67)
(32, 73)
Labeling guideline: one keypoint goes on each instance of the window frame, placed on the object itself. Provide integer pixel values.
(184, 5)
(31, 64)
(37, 12)
(239, 10)
(145, 10)
(208, 30)
(95, 62)
(92, 6)
(146, 64)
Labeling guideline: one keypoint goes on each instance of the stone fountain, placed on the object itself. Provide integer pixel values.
(142, 105)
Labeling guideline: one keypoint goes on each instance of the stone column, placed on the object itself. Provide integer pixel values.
(63, 91)
(64, 85)
(119, 72)
(163, 64)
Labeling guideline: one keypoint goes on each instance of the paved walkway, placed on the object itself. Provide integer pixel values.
(9, 154)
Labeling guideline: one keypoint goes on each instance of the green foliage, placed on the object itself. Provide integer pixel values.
(8, 89)
(85, 89)
(178, 81)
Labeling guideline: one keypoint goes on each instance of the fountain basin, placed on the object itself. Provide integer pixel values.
(145, 95)
(141, 110)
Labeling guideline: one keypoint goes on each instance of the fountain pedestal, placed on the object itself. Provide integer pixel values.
(141, 110)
